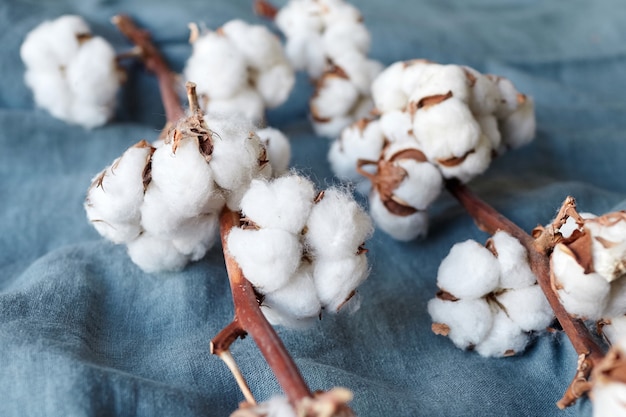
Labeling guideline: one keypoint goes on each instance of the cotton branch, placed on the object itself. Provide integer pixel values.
(155, 63)
(490, 221)
(250, 320)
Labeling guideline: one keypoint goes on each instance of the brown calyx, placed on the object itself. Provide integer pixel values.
(440, 329)
(455, 160)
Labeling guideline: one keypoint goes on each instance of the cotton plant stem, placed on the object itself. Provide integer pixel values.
(250, 319)
(490, 221)
(155, 63)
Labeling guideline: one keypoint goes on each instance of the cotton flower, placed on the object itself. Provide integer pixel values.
(239, 69)
(73, 74)
(487, 300)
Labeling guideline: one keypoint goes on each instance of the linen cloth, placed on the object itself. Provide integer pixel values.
(84, 332)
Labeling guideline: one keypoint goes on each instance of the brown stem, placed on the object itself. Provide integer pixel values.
(251, 320)
(155, 63)
(265, 9)
(490, 221)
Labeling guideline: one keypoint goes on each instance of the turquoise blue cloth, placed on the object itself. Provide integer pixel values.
(83, 332)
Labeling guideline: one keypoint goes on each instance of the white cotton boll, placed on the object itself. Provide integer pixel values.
(387, 89)
(115, 196)
(515, 269)
(412, 74)
(336, 11)
(185, 179)
(397, 126)
(267, 257)
(518, 128)
(50, 92)
(472, 164)
(282, 203)
(436, 79)
(274, 407)
(528, 307)
(297, 17)
(260, 47)
(484, 95)
(505, 338)
(334, 96)
(402, 228)
(331, 127)
(615, 330)
(468, 321)
(509, 97)
(609, 400)
(337, 225)
(423, 181)
(153, 254)
(360, 70)
(469, 271)
(274, 84)
(346, 37)
(157, 217)
(608, 246)
(583, 295)
(295, 303)
(306, 52)
(616, 304)
(198, 236)
(246, 103)
(491, 130)
(278, 149)
(336, 279)
(447, 129)
(217, 67)
(361, 140)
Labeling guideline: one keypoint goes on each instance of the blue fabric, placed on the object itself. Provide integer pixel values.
(83, 332)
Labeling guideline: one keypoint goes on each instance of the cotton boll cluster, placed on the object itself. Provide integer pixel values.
(302, 250)
(163, 202)
(239, 69)
(73, 74)
(589, 267)
(450, 119)
(609, 383)
(489, 300)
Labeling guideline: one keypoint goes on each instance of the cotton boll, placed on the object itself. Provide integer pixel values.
(260, 47)
(185, 179)
(581, 294)
(337, 226)
(484, 95)
(361, 140)
(50, 92)
(509, 97)
(609, 400)
(331, 127)
(278, 149)
(608, 245)
(446, 130)
(615, 330)
(198, 236)
(359, 70)
(469, 165)
(346, 37)
(267, 257)
(616, 304)
(515, 269)
(337, 11)
(468, 321)
(527, 307)
(153, 254)
(217, 67)
(422, 183)
(306, 52)
(469, 271)
(402, 228)
(397, 126)
(295, 303)
(505, 338)
(336, 279)
(246, 103)
(157, 217)
(283, 203)
(297, 17)
(274, 84)
(518, 128)
(412, 74)
(115, 195)
(436, 79)
(387, 89)
(334, 96)
(491, 130)
(274, 407)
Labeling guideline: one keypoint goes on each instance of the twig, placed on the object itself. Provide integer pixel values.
(155, 63)
(249, 319)
(265, 9)
(490, 221)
